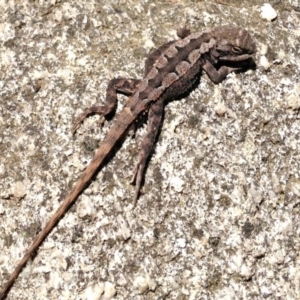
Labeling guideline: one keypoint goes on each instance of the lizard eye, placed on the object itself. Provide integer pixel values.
(237, 50)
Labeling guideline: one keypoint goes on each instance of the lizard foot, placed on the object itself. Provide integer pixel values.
(98, 110)
(137, 178)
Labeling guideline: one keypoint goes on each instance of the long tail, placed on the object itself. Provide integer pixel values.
(121, 124)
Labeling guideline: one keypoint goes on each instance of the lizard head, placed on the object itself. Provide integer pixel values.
(233, 44)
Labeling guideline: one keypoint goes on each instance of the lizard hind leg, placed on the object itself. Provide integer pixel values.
(116, 85)
(155, 118)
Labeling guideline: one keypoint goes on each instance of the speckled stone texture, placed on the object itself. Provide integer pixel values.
(219, 218)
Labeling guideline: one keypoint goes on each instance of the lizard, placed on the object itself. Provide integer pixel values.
(171, 71)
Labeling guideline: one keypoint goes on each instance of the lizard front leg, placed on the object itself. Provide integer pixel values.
(217, 76)
(116, 85)
(155, 118)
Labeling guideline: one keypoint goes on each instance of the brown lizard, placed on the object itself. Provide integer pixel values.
(170, 72)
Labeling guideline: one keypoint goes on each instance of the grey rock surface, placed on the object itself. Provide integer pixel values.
(219, 218)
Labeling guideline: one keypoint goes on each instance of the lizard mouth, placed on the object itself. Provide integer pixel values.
(236, 58)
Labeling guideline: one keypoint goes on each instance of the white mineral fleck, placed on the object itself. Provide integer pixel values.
(266, 291)
(190, 12)
(177, 183)
(67, 74)
(83, 61)
(94, 292)
(175, 123)
(267, 12)
(57, 15)
(286, 81)
(185, 291)
(246, 271)
(293, 99)
(76, 162)
(264, 62)
(18, 189)
(186, 274)
(39, 74)
(56, 279)
(280, 57)
(181, 243)
(122, 281)
(235, 263)
(58, 260)
(207, 17)
(149, 44)
(69, 152)
(141, 284)
(69, 11)
(2, 169)
(109, 290)
(259, 248)
(256, 194)
(7, 32)
(220, 109)
(210, 176)
(85, 207)
(276, 184)
(263, 49)
(217, 197)
(296, 188)
(284, 226)
(124, 228)
(144, 283)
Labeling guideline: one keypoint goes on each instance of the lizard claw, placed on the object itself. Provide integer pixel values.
(137, 193)
(78, 121)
